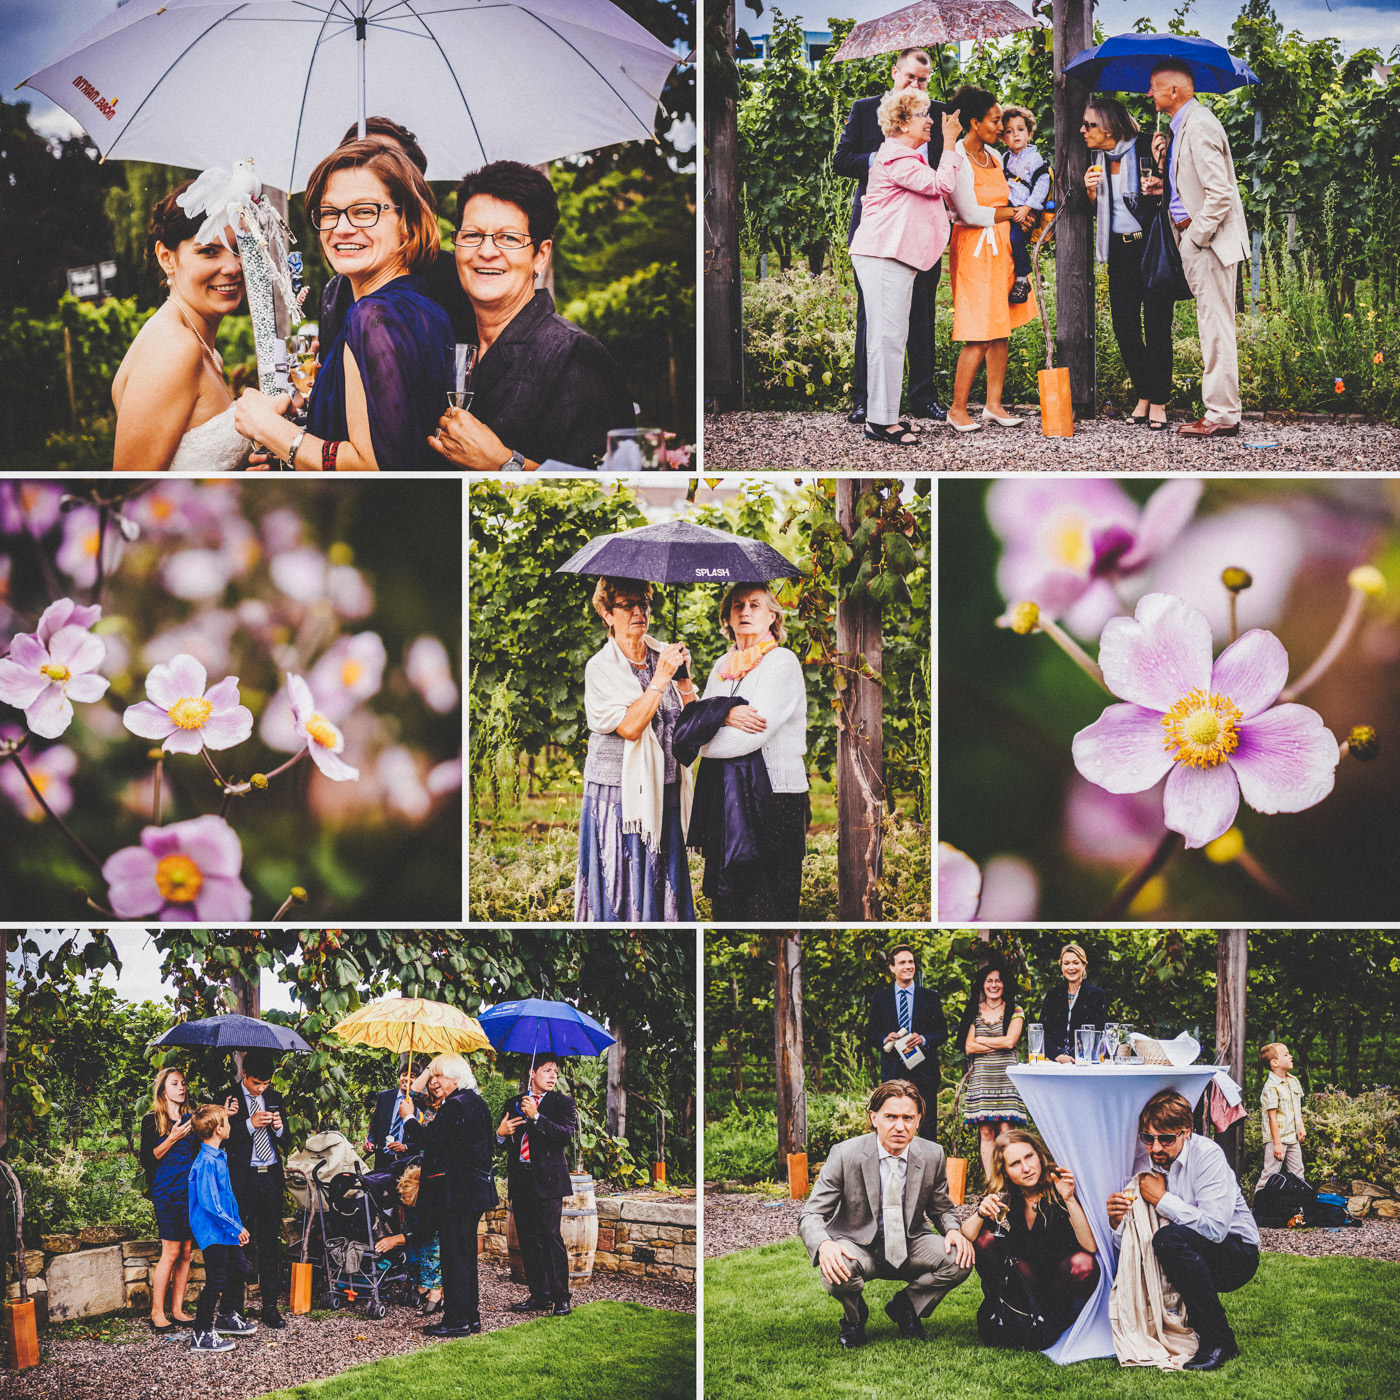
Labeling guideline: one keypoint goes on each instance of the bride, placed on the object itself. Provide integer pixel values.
(174, 407)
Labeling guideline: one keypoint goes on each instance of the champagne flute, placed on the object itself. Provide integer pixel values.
(463, 363)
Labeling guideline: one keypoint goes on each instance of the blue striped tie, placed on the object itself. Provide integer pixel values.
(904, 1012)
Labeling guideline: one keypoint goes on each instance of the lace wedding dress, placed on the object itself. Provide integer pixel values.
(214, 446)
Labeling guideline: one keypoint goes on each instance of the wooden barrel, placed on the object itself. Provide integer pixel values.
(580, 1228)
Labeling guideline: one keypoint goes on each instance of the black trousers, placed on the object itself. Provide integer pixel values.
(259, 1197)
(461, 1299)
(225, 1273)
(920, 344)
(769, 889)
(1201, 1270)
(1142, 322)
(538, 1223)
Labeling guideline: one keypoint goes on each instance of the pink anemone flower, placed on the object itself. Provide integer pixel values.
(49, 771)
(185, 716)
(47, 670)
(323, 740)
(183, 873)
(1212, 730)
(959, 885)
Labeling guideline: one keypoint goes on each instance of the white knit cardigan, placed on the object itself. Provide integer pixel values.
(774, 688)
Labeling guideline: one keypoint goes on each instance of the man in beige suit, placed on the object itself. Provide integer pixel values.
(1208, 217)
(868, 1217)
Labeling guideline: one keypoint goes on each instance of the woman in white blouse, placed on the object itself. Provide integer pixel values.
(754, 872)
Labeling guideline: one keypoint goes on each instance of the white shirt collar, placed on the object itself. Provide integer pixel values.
(893, 1156)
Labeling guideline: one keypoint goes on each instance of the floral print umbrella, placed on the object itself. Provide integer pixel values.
(934, 22)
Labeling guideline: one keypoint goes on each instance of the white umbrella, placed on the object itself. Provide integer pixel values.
(205, 82)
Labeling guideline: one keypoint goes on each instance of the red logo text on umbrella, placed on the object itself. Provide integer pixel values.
(108, 109)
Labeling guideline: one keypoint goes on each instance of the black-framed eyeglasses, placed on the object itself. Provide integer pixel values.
(474, 238)
(627, 606)
(1166, 1139)
(326, 216)
(1087, 125)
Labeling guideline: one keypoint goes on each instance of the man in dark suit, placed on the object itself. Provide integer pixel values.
(536, 1130)
(255, 1149)
(385, 1138)
(870, 1216)
(859, 142)
(903, 1007)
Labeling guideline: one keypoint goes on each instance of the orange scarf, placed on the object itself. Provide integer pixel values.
(738, 664)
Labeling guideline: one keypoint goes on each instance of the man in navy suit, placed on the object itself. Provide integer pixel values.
(385, 1138)
(256, 1147)
(904, 1007)
(859, 142)
(536, 1130)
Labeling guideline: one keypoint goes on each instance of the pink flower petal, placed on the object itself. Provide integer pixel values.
(222, 899)
(1158, 655)
(332, 765)
(212, 844)
(20, 685)
(28, 652)
(1091, 612)
(224, 729)
(224, 695)
(161, 687)
(183, 740)
(959, 884)
(1122, 750)
(299, 694)
(1200, 803)
(131, 883)
(1010, 891)
(1167, 513)
(50, 714)
(87, 688)
(1251, 671)
(187, 676)
(147, 721)
(77, 649)
(1286, 760)
(66, 613)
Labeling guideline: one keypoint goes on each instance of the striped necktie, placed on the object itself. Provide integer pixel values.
(525, 1133)
(263, 1155)
(905, 1010)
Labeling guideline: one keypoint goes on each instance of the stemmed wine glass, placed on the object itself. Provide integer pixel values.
(463, 362)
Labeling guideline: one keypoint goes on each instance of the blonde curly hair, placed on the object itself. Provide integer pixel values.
(897, 109)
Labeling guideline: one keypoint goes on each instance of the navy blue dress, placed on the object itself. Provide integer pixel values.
(402, 342)
(168, 1179)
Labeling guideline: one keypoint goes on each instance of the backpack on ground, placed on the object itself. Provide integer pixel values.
(1282, 1198)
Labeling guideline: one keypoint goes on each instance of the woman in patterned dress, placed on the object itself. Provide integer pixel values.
(991, 1028)
(168, 1147)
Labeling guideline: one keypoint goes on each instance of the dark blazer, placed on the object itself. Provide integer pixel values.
(458, 1147)
(927, 1020)
(381, 1120)
(1090, 1009)
(862, 137)
(548, 389)
(239, 1146)
(443, 286)
(547, 1172)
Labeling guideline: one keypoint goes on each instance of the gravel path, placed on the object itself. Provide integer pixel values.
(309, 1349)
(825, 441)
(740, 1220)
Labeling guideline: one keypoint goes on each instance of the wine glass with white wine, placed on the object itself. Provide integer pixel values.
(463, 363)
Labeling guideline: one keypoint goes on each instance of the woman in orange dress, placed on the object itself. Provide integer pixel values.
(983, 316)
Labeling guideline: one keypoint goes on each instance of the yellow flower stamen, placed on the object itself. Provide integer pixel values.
(319, 728)
(55, 672)
(90, 544)
(179, 879)
(350, 672)
(190, 712)
(1068, 544)
(1201, 729)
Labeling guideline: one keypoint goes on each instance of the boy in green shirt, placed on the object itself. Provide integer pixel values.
(1282, 1104)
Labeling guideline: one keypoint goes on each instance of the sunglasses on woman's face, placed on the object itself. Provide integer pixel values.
(1166, 1139)
(1087, 125)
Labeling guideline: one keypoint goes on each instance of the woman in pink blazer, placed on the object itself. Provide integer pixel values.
(904, 228)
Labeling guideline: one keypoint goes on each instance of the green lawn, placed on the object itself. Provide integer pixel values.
(1315, 1329)
(604, 1351)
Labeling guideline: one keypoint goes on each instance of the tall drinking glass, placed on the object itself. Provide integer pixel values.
(1110, 1041)
(1085, 1042)
(1035, 1042)
(463, 362)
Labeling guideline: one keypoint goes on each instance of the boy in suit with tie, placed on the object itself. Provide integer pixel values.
(536, 1131)
(385, 1138)
(904, 1007)
(255, 1149)
(870, 1214)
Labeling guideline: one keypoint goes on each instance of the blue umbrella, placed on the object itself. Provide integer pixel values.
(534, 1026)
(234, 1033)
(1125, 62)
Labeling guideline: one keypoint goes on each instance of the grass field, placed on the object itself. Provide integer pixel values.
(605, 1351)
(1310, 1329)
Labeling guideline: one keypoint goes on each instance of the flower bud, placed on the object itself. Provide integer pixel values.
(258, 781)
(1363, 743)
(1368, 579)
(299, 895)
(154, 753)
(340, 553)
(1226, 848)
(1236, 580)
(1021, 618)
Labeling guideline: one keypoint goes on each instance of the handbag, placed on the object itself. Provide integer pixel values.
(1162, 273)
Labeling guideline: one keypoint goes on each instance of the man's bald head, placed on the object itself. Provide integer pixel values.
(1171, 86)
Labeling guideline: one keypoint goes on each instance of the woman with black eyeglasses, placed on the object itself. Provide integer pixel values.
(541, 389)
(384, 376)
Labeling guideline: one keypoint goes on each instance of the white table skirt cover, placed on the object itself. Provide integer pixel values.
(1088, 1116)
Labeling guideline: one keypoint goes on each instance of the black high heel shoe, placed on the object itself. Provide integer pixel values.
(1137, 420)
(427, 1309)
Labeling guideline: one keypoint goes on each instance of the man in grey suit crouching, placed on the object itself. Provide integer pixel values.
(869, 1217)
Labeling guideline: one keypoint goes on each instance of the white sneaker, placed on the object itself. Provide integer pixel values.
(208, 1342)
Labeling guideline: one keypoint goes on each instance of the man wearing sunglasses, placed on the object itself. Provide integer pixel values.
(1209, 1244)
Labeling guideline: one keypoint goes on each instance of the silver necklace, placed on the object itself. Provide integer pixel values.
(180, 307)
(983, 164)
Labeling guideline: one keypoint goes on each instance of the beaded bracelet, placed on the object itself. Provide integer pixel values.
(328, 451)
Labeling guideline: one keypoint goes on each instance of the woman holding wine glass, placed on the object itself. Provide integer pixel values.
(541, 388)
(1035, 1250)
(384, 376)
(175, 411)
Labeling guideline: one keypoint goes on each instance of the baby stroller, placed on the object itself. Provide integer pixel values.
(360, 1208)
(309, 1170)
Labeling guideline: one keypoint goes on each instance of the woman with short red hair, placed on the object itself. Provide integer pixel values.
(384, 377)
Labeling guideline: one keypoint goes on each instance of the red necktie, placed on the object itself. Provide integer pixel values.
(525, 1135)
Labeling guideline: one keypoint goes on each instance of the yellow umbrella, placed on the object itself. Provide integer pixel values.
(412, 1024)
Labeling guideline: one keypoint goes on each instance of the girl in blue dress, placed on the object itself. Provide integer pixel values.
(168, 1147)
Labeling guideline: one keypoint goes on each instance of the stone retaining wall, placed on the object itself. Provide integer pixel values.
(105, 1270)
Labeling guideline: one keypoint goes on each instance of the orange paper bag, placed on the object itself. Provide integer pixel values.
(22, 1335)
(301, 1289)
(1056, 406)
